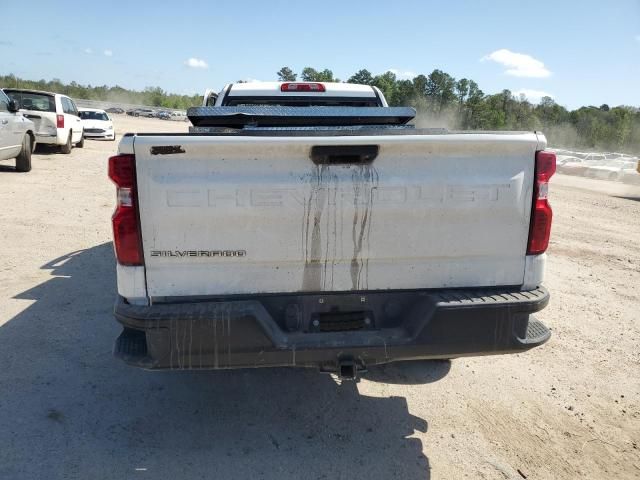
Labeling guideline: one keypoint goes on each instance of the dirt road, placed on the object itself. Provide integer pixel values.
(567, 410)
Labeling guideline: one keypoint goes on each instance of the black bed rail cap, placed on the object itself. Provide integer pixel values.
(275, 116)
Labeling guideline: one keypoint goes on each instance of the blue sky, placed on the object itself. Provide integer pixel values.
(579, 52)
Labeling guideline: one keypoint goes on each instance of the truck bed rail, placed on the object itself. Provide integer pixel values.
(278, 116)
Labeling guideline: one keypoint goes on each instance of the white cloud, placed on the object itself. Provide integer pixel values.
(108, 53)
(534, 96)
(88, 51)
(637, 38)
(196, 63)
(518, 64)
(403, 74)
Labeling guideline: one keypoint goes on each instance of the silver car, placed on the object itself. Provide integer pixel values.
(17, 139)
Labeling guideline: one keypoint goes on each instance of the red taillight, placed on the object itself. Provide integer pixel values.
(302, 87)
(126, 227)
(60, 121)
(541, 214)
(545, 165)
(122, 170)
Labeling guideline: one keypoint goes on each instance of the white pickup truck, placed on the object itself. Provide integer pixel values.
(308, 224)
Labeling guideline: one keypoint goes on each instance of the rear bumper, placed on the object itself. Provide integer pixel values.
(47, 138)
(306, 329)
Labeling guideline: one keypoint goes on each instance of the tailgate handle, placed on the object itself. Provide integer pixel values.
(344, 154)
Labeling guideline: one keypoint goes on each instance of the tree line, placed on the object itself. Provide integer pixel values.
(440, 99)
(150, 96)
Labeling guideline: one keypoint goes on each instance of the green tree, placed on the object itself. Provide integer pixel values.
(363, 77)
(312, 75)
(462, 90)
(475, 94)
(550, 113)
(404, 94)
(154, 96)
(285, 74)
(386, 83)
(621, 126)
(420, 85)
(440, 87)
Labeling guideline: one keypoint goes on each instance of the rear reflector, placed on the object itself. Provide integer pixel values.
(541, 214)
(302, 87)
(126, 226)
(60, 121)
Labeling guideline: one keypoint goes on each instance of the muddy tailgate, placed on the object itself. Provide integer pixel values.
(234, 215)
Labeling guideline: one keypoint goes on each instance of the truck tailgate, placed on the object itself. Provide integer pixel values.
(227, 215)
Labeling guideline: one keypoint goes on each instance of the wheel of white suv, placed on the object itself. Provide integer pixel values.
(80, 144)
(66, 148)
(23, 160)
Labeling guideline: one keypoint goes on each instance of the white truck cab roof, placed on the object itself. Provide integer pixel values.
(295, 94)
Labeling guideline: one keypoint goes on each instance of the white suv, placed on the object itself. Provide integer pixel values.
(16, 134)
(56, 117)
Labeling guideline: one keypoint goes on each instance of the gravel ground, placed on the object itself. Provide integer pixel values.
(567, 410)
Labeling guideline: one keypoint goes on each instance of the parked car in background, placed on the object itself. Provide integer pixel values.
(115, 110)
(594, 157)
(144, 112)
(164, 115)
(612, 170)
(56, 117)
(624, 156)
(179, 116)
(562, 159)
(573, 166)
(97, 124)
(17, 134)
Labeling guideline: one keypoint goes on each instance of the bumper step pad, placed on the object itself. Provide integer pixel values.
(131, 346)
(537, 332)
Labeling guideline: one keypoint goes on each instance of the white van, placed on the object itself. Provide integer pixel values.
(56, 117)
